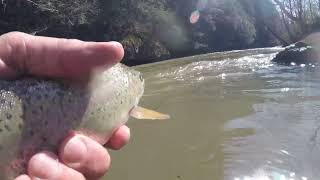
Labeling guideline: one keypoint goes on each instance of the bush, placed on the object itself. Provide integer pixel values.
(34, 15)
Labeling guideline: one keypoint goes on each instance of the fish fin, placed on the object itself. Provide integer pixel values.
(143, 113)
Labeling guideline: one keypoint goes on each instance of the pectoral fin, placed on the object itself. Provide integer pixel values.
(143, 113)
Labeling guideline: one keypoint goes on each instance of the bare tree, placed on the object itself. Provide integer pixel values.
(299, 16)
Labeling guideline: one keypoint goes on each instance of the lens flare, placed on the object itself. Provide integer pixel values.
(194, 17)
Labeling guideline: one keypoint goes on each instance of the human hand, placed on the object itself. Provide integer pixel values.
(79, 157)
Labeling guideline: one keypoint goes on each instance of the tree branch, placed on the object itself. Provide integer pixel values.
(283, 9)
(39, 6)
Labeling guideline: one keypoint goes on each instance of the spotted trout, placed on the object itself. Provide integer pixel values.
(37, 114)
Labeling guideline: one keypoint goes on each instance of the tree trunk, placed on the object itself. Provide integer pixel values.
(261, 18)
(299, 18)
(276, 35)
(311, 11)
(291, 7)
(300, 10)
(286, 25)
(283, 9)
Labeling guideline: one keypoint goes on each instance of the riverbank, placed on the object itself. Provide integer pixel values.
(305, 51)
(149, 30)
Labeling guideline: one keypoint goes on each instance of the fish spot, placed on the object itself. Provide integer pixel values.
(38, 97)
(1, 129)
(31, 133)
(60, 94)
(34, 112)
(20, 126)
(7, 127)
(10, 105)
(44, 139)
(28, 100)
(8, 115)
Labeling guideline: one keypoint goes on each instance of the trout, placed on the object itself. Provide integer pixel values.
(37, 114)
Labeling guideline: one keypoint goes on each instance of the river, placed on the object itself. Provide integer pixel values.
(234, 116)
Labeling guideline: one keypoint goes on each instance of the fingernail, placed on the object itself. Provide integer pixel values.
(116, 44)
(74, 151)
(45, 165)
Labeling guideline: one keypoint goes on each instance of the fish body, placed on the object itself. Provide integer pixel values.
(37, 114)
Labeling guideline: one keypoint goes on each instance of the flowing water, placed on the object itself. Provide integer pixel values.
(234, 115)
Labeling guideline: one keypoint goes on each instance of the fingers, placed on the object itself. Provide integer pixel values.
(85, 155)
(46, 165)
(119, 139)
(23, 177)
(53, 57)
(81, 157)
(89, 157)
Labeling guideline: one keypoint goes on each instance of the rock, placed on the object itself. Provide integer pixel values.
(299, 53)
(139, 51)
(132, 45)
(158, 51)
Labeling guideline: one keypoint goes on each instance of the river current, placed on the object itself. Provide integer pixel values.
(234, 116)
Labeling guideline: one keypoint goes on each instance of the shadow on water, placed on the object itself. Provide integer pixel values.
(234, 116)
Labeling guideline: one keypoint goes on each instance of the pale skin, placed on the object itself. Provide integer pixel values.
(79, 157)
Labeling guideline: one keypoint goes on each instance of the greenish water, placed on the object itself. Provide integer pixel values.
(234, 115)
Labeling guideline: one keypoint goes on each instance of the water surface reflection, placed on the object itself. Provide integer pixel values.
(235, 115)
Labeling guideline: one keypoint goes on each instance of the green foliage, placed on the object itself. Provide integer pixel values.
(242, 23)
(72, 12)
(132, 44)
(246, 30)
(146, 19)
(229, 25)
(266, 20)
(33, 15)
(147, 28)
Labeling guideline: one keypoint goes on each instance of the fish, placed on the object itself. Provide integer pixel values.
(36, 114)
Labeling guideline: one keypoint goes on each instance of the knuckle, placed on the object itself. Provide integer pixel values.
(14, 35)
